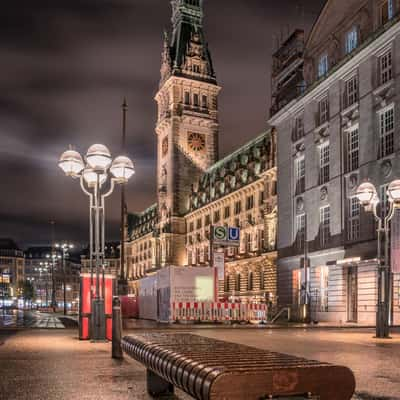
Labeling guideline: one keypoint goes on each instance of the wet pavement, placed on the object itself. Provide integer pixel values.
(29, 319)
(52, 364)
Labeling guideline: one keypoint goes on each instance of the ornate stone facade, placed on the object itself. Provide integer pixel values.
(194, 190)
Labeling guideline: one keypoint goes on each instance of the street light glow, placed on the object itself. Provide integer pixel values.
(71, 163)
(394, 191)
(366, 194)
(122, 169)
(98, 157)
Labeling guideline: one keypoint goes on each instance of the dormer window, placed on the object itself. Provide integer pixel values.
(351, 40)
(323, 66)
(386, 11)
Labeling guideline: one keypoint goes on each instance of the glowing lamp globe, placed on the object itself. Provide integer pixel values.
(71, 163)
(394, 191)
(122, 169)
(91, 177)
(366, 194)
(98, 157)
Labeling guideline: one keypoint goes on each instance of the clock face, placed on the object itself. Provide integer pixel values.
(196, 141)
(165, 146)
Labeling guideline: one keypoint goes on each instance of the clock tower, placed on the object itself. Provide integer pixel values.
(187, 124)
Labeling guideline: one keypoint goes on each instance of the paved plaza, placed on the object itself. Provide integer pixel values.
(52, 364)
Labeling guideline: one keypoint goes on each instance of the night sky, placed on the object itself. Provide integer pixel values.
(65, 68)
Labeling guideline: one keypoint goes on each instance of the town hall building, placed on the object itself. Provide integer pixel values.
(195, 189)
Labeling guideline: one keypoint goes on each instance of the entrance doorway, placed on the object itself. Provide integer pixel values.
(352, 296)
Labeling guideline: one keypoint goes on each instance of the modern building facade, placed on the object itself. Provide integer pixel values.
(339, 133)
(45, 270)
(194, 191)
(12, 269)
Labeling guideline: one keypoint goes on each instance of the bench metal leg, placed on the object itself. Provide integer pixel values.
(157, 386)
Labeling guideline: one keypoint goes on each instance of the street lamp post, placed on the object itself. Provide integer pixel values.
(98, 177)
(369, 199)
(64, 254)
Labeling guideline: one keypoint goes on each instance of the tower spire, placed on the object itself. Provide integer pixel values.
(188, 50)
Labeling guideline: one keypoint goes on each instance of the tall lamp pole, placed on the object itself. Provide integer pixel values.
(98, 176)
(369, 199)
(64, 254)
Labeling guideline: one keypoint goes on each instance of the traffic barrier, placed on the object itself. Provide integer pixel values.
(220, 312)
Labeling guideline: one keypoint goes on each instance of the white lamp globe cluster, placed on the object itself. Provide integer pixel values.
(98, 163)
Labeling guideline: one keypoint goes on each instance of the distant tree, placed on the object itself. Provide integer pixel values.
(27, 291)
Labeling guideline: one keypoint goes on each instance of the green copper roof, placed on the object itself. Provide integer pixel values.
(233, 172)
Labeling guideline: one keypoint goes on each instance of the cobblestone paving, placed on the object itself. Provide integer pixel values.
(53, 364)
(375, 362)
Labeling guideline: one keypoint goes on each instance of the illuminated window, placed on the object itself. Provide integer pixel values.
(387, 11)
(351, 40)
(323, 65)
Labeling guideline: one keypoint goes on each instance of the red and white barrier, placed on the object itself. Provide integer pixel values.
(207, 311)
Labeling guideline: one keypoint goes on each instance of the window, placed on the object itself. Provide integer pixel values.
(262, 280)
(353, 150)
(323, 294)
(324, 163)
(354, 219)
(196, 100)
(237, 223)
(351, 91)
(386, 129)
(191, 227)
(298, 131)
(324, 219)
(207, 220)
(323, 66)
(300, 231)
(204, 102)
(387, 11)
(385, 68)
(351, 40)
(300, 173)
(248, 243)
(198, 223)
(261, 198)
(323, 110)
(249, 202)
(237, 282)
(227, 212)
(238, 207)
(217, 216)
(250, 285)
(187, 98)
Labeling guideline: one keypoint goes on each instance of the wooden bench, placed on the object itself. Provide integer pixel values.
(209, 369)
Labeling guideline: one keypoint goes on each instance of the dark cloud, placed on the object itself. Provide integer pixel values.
(66, 66)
